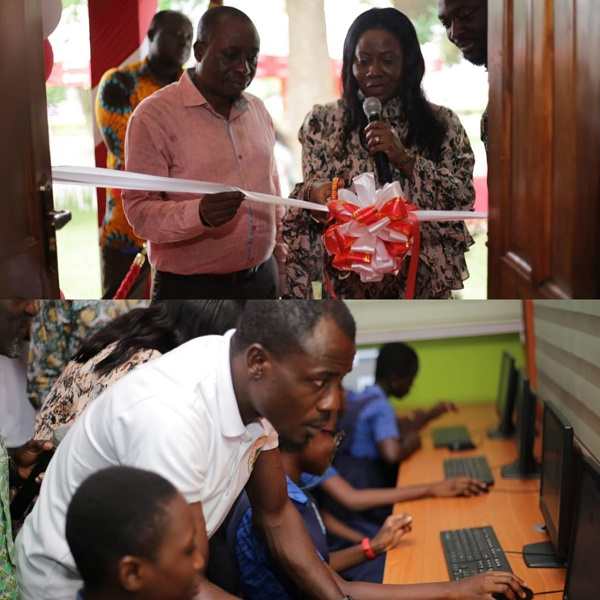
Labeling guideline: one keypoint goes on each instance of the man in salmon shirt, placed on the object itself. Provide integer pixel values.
(207, 128)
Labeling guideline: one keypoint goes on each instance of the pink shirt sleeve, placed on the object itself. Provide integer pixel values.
(151, 216)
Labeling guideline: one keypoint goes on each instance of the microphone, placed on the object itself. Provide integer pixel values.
(372, 109)
(30, 488)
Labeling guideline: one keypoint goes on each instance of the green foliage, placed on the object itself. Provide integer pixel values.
(184, 6)
(55, 94)
(425, 23)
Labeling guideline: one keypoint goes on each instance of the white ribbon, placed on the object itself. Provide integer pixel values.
(124, 180)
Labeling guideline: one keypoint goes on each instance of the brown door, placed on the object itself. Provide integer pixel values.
(28, 265)
(544, 155)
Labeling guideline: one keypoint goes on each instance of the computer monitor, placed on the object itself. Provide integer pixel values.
(582, 568)
(556, 491)
(526, 466)
(505, 400)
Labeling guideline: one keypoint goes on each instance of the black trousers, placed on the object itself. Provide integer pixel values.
(259, 282)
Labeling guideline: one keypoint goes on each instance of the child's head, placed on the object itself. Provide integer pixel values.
(396, 368)
(132, 533)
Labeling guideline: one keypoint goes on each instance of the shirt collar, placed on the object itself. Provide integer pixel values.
(229, 412)
(375, 390)
(192, 96)
(295, 493)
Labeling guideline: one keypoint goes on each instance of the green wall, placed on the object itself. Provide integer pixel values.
(462, 370)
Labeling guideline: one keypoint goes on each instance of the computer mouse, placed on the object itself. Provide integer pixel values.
(458, 445)
(528, 596)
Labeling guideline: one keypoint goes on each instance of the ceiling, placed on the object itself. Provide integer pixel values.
(380, 321)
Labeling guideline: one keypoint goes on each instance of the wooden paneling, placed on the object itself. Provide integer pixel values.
(28, 266)
(587, 100)
(544, 149)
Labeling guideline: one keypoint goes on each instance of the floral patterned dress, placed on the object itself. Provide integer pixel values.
(57, 331)
(443, 185)
(79, 385)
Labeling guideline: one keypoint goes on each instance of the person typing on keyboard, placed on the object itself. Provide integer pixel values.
(376, 440)
(360, 561)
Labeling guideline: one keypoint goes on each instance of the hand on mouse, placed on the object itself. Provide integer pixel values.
(485, 585)
(458, 486)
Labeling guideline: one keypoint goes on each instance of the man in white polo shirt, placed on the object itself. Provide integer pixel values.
(205, 416)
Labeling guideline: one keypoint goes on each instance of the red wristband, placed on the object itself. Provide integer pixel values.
(366, 546)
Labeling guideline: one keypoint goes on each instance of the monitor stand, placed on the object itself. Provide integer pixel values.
(514, 471)
(498, 434)
(542, 555)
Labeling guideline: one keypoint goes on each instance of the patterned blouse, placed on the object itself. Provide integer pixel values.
(57, 331)
(79, 385)
(443, 185)
(119, 92)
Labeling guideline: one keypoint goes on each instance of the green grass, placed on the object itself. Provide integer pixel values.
(78, 247)
(476, 285)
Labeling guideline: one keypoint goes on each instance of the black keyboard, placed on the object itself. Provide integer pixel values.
(448, 436)
(471, 551)
(470, 466)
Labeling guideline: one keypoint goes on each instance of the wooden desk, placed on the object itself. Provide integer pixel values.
(511, 507)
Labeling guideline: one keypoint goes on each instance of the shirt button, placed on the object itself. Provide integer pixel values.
(240, 156)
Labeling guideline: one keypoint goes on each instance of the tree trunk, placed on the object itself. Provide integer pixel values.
(310, 72)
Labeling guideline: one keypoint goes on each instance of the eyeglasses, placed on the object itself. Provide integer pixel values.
(336, 436)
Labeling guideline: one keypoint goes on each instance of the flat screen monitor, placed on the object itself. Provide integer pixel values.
(526, 466)
(505, 401)
(556, 491)
(582, 567)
